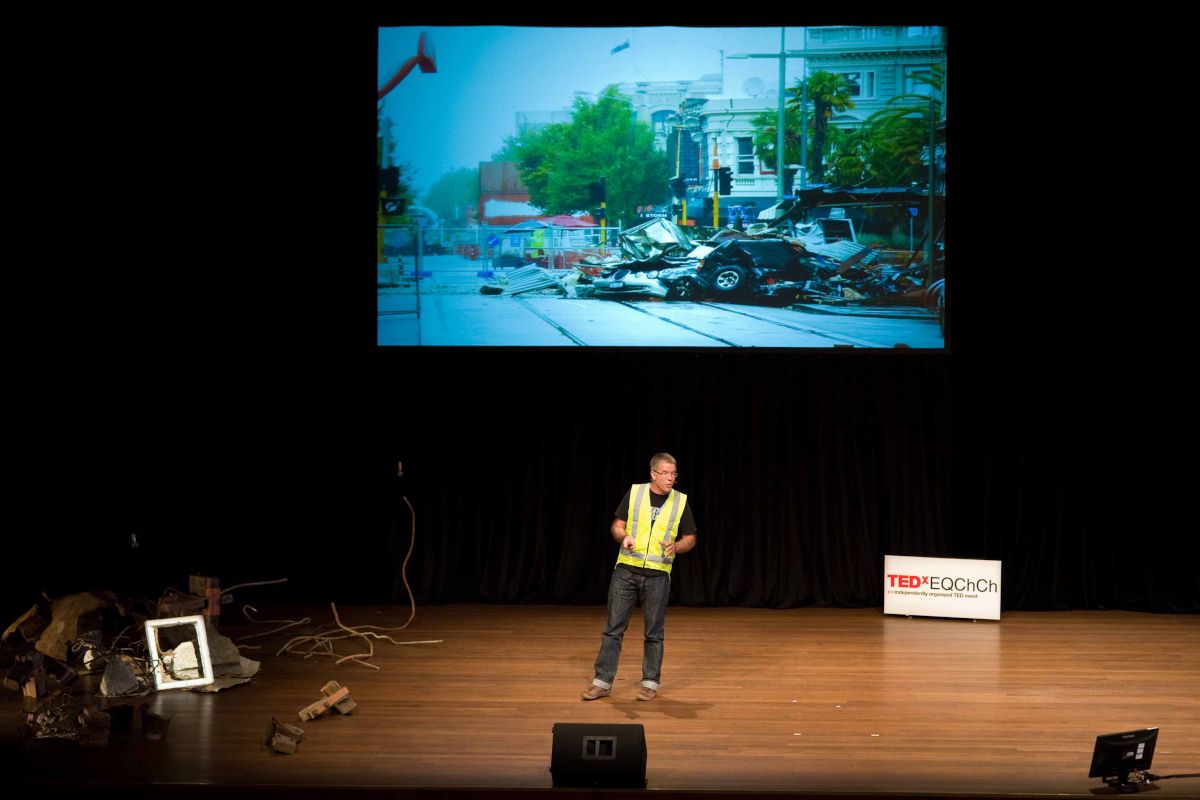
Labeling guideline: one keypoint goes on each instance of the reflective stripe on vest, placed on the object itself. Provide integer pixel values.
(641, 527)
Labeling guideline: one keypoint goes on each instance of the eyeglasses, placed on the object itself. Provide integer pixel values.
(673, 475)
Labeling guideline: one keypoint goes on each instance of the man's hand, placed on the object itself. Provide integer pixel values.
(628, 542)
(680, 545)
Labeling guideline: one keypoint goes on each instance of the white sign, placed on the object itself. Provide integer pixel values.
(967, 588)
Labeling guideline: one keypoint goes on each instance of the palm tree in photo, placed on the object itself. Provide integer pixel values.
(828, 92)
(901, 131)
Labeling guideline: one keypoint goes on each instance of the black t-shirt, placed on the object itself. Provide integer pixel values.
(687, 523)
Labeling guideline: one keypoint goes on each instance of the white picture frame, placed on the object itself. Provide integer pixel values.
(162, 678)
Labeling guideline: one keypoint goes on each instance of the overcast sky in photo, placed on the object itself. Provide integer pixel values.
(461, 114)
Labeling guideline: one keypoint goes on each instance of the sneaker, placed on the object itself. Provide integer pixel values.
(595, 692)
(646, 693)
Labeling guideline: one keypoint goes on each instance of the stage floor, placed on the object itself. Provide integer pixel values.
(804, 701)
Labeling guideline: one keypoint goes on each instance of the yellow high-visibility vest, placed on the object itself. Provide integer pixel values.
(649, 539)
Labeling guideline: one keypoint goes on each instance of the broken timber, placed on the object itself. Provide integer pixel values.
(336, 696)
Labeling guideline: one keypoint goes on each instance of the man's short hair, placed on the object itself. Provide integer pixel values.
(659, 458)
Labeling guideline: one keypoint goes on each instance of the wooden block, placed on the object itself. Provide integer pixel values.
(336, 696)
(321, 706)
(343, 707)
(214, 602)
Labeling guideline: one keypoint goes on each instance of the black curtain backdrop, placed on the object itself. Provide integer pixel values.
(804, 471)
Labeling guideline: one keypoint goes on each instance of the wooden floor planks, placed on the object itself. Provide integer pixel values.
(804, 701)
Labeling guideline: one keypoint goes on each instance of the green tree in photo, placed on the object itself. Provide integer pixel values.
(889, 149)
(828, 92)
(850, 150)
(900, 133)
(559, 161)
(766, 137)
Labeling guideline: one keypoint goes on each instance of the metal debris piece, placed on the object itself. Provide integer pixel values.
(528, 279)
(652, 240)
(838, 251)
(282, 737)
(55, 722)
(65, 718)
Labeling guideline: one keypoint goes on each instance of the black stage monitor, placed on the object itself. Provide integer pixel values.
(1117, 755)
(595, 755)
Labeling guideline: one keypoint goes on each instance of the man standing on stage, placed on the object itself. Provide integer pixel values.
(653, 523)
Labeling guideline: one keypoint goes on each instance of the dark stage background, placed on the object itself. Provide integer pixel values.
(217, 391)
(804, 472)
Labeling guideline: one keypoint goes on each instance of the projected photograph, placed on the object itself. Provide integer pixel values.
(662, 187)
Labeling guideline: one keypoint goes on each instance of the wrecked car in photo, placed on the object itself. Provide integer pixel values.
(647, 252)
(770, 271)
(623, 281)
(660, 260)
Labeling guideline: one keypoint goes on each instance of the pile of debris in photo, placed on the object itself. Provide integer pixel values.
(780, 263)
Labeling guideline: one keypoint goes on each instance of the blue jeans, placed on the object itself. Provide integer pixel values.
(627, 588)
